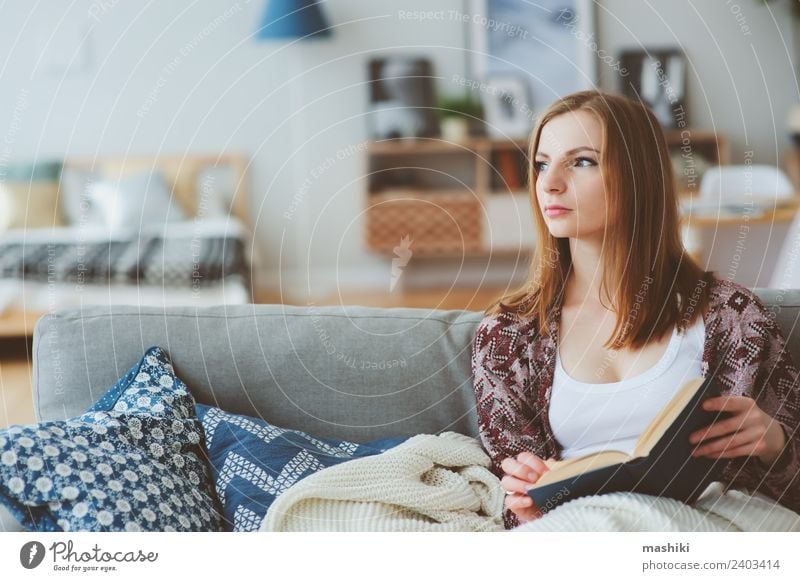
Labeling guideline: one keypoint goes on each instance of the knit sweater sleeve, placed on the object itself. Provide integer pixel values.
(765, 371)
(507, 421)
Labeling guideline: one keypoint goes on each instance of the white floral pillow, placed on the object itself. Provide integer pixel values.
(133, 462)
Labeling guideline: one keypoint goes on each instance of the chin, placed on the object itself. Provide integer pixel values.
(560, 232)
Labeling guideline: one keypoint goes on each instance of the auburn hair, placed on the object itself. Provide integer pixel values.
(659, 284)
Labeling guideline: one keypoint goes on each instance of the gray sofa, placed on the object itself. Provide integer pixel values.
(355, 373)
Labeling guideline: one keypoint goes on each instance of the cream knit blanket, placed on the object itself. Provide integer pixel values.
(427, 483)
(714, 511)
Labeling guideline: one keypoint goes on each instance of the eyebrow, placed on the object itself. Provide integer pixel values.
(571, 151)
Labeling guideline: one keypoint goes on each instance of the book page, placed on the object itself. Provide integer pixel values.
(562, 469)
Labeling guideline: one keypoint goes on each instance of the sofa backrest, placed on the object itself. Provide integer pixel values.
(356, 373)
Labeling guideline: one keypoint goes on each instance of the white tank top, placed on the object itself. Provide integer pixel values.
(589, 417)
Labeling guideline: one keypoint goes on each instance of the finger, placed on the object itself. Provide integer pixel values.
(738, 422)
(532, 461)
(511, 484)
(728, 403)
(751, 436)
(513, 468)
(518, 501)
(746, 450)
(519, 470)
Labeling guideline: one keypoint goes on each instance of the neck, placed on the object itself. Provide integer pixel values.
(586, 276)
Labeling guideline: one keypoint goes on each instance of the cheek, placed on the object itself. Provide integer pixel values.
(538, 196)
(592, 195)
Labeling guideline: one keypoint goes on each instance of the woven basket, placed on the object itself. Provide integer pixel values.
(431, 224)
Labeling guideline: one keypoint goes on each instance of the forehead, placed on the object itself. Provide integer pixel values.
(570, 130)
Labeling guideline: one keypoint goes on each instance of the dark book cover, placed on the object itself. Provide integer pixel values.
(668, 471)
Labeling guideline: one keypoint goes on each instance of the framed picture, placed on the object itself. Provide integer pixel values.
(402, 98)
(505, 104)
(658, 77)
(548, 44)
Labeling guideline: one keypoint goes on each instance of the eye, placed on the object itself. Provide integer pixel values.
(579, 161)
(538, 165)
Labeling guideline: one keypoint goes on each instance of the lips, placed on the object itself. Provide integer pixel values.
(554, 211)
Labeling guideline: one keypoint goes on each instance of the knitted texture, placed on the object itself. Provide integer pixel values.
(715, 511)
(513, 365)
(428, 483)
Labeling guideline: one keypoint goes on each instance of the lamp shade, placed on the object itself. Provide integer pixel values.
(293, 19)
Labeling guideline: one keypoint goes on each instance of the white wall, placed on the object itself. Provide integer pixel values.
(232, 92)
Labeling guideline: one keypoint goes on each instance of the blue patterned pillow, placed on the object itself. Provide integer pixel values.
(133, 462)
(254, 461)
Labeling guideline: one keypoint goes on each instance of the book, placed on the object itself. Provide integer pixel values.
(661, 463)
(508, 166)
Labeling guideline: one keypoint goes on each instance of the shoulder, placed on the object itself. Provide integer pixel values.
(737, 316)
(735, 303)
(505, 336)
(504, 325)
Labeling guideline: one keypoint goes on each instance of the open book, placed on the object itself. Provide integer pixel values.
(661, 463)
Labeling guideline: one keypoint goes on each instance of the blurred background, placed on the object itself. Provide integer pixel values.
(366, 152)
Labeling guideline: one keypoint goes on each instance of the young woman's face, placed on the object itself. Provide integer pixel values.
(569, 176)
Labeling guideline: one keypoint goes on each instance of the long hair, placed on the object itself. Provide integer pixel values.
(659, 284)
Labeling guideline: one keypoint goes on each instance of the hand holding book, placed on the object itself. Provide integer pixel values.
(749, 431)
(520, 473)
(661, 464)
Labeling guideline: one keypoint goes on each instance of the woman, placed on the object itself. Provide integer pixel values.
(616, 317)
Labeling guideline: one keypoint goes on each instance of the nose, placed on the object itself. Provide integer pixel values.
(552, 181)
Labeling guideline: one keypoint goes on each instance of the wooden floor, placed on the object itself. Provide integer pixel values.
(16, 401)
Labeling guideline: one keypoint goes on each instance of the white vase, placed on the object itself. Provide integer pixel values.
(455, 129)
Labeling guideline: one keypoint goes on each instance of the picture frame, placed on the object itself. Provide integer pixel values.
(657, 76)
(505, 104)
(507, 36)
(402, 98)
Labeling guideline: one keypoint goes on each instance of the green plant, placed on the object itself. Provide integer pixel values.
(465, 106)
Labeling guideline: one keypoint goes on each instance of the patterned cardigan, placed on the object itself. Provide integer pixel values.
(512, 367)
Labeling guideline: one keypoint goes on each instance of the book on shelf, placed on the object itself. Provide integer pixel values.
(661, 463)
(509, 170)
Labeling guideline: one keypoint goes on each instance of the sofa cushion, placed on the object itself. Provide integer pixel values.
(133, 462)
(254, 461)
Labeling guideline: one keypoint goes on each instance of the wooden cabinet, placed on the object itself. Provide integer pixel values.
(692, 152)
(439, 198)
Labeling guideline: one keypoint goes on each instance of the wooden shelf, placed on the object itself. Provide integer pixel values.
(508, 193)
(489, 172)
(783, 213)
(792, 167)
(418, 145)
(418, 194)
(712, 146)
(436, 192)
